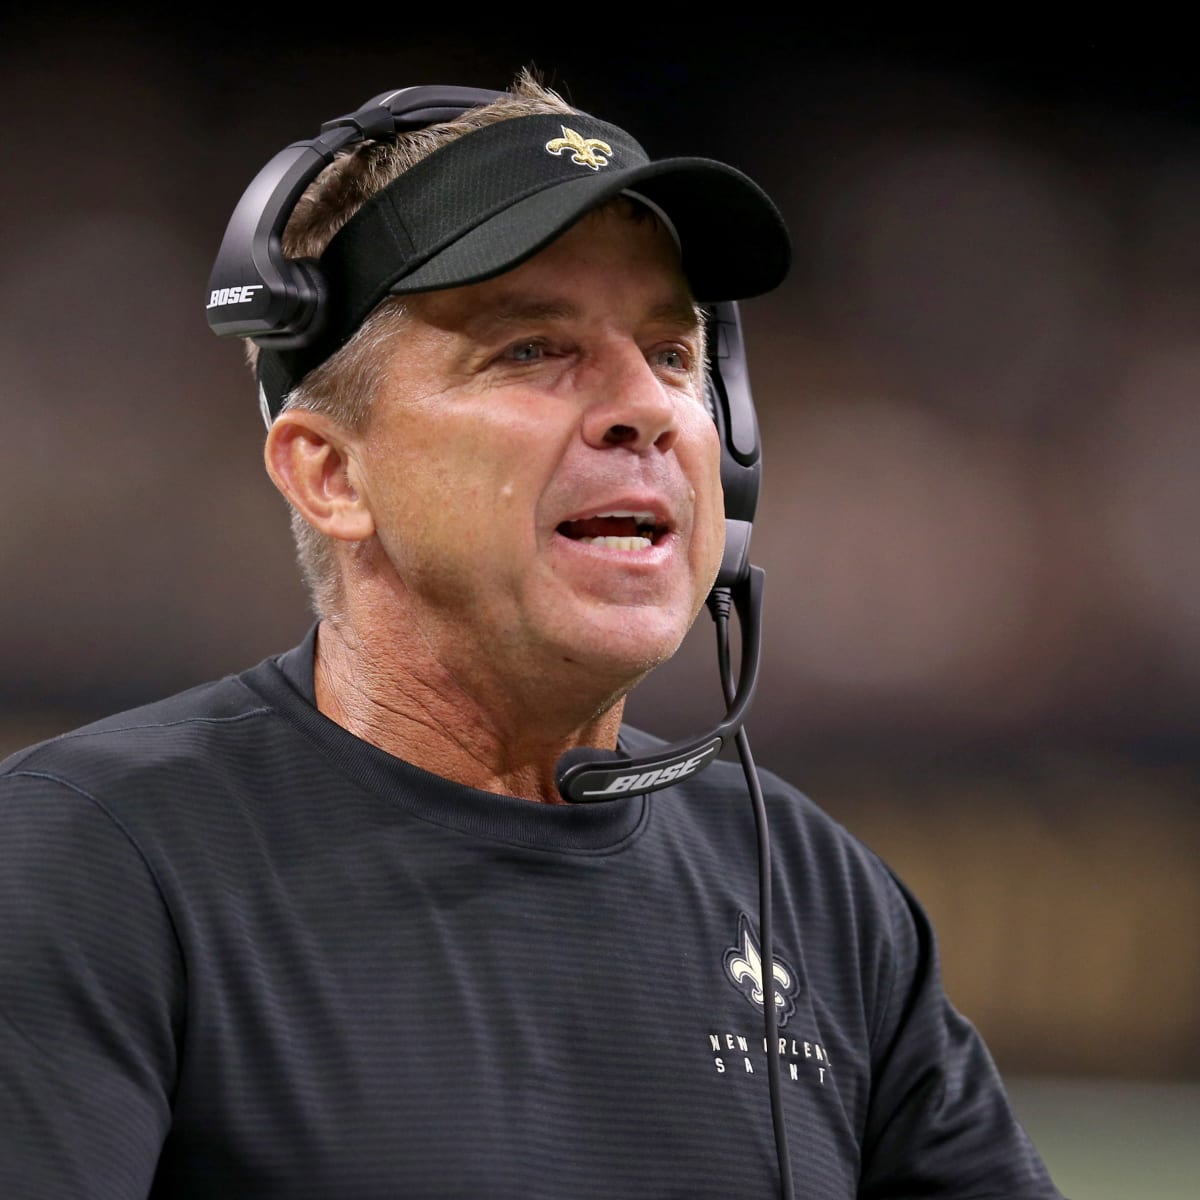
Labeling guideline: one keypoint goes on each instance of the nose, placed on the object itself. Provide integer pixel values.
(632, 407)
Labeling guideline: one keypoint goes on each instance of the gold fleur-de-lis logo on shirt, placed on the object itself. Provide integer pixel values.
(585, 152)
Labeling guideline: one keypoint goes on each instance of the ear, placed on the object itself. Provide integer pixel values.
(310, 460)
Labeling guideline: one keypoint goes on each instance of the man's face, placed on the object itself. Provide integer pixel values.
(524, 417)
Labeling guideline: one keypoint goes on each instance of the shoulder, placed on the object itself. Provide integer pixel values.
(139, 735)
(184, 747)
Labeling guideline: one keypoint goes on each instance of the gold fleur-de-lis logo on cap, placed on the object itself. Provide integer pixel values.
(586, 152)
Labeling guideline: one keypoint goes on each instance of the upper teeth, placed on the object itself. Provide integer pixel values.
(642, 518)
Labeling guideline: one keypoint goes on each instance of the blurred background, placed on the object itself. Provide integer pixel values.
(978, 397)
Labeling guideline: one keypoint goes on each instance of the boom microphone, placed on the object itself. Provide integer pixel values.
(586, 774)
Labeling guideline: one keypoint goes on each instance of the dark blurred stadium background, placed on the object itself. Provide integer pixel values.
(979, 398)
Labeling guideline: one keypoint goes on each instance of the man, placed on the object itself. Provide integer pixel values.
(325, 928)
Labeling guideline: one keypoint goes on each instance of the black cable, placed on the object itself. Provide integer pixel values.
(718, 604)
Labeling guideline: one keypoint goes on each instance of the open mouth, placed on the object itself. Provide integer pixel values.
(616, 530)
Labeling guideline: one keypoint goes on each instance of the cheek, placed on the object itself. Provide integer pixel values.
(466, 485)
(711, 503)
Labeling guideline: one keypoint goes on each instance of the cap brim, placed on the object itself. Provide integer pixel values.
(732, 238)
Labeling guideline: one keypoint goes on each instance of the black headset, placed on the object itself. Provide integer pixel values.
(279, 303)
(255, 292)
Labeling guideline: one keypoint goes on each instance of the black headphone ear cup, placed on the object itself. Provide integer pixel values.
(736, 559)
(308, 306)
(253, 290)
(729, 403)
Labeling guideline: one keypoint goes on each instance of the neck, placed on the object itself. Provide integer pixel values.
(387, 688)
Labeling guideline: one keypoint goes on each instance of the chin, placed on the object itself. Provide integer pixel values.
(626, 646)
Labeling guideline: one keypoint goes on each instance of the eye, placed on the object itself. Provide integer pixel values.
(525, 352)
(674, 358)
